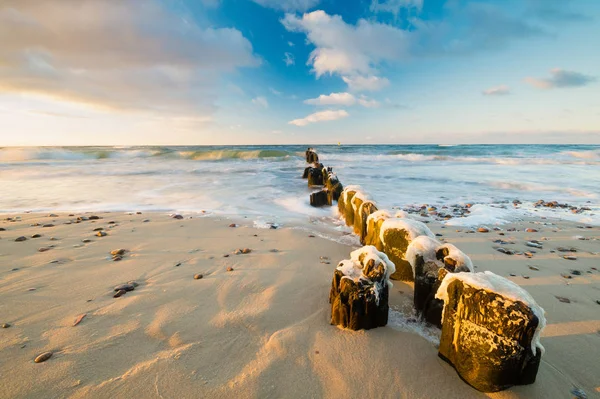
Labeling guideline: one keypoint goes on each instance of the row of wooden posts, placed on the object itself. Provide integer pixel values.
(490, 339)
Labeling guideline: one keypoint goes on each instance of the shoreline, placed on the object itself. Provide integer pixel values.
(261, 330)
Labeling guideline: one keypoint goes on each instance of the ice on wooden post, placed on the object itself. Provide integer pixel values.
(357, 201)
(396, 234)
(490, 331)
(345, 204)
(334, 186)
(365, 210)
(360, 290)
(430, 261)
(374, 222)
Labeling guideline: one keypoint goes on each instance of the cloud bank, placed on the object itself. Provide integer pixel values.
(127, 56)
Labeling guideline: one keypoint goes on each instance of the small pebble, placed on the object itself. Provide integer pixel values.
(483, 230)
(124, 287)
(119, 293)
(274, 250)
(43, 357)
(563, 299)
(570, 257)
(177, 217)
(48, 225)
(311, 236)
(22, 238)
(530, 230)
(98, 229)
(177, 264)
(198, 276)
(43, 249)
(94, 217)
(526, 277)
(230, 269)
(226, 256)
(534, 268)
(533, 244)
(36, 236)
(233, 225)
(87, 240)
(118, 252)
(576, 272)
(5, 325)
(101, 234)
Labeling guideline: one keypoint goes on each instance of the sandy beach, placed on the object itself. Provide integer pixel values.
(261, 329)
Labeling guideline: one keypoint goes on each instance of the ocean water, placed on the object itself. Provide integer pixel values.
(263, 183)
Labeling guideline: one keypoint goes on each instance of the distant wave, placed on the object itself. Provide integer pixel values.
(99, 153)
(583, 159)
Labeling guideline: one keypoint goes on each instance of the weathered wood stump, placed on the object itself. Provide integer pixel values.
(360, 290)
(334, 186)
(396, 234)
(306, 171)
(374, 222)
(345, 204)
(320, 198)
(311, 156)
(431, 261)
(315, 177)
(360, 220)
(490, 331)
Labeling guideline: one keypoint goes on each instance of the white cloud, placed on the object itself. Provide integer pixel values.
(345, 99)
(394, 6)
(501, 90)
(368, 102)
(116, 55)
(291, 44)
(289, 59)
(261, 102)
(345, 49)
(288, 5)
(560, 78)
(365, 83)
(276, 92)
(329, 115)
(342, 99)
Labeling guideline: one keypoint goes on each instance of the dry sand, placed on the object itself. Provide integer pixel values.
(261, 330)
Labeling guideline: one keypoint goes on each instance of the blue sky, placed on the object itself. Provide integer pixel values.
(135, 72)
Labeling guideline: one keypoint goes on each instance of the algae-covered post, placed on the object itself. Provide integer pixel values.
(490, 332)
(320, 198)
(431, 261)
(311, 156)
(360, 290)
(396, 234)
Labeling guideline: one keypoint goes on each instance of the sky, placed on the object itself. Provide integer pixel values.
(205, 72)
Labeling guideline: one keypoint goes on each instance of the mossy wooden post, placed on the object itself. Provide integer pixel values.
(487, 338)
(373, 236)
(315, 177)
(334, 186)
(366, 209)
(320, 198)
(348, 211)
(361, 304)
(357, 202)
(395, 242)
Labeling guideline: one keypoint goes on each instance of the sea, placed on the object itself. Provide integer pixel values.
(263, 184)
